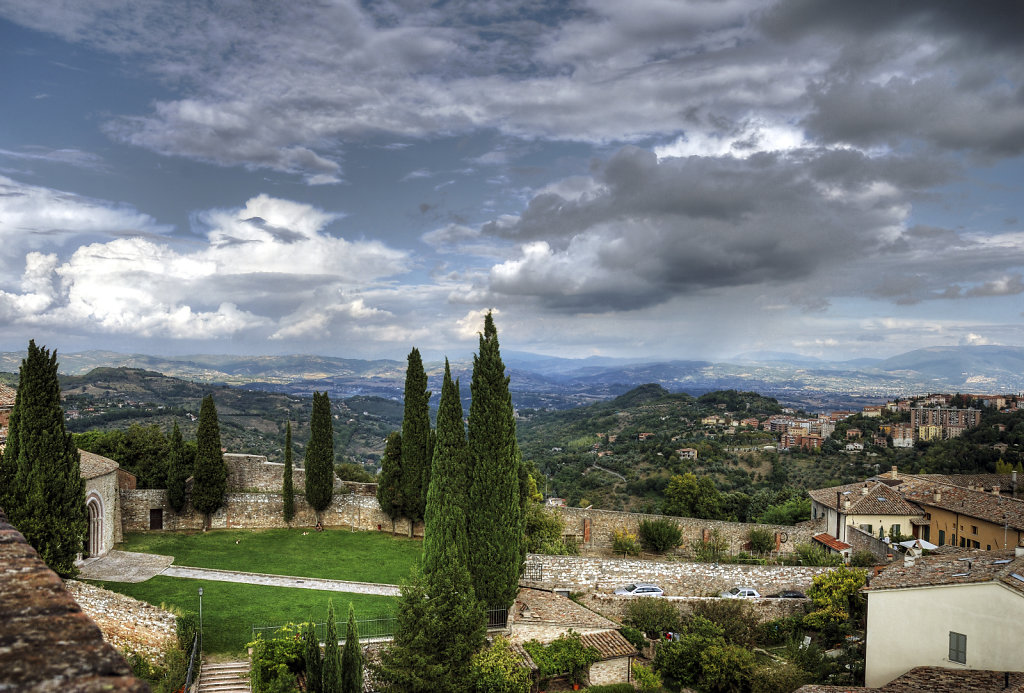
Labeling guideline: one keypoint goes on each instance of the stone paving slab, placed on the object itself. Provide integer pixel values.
(124, 566)
(181, 571)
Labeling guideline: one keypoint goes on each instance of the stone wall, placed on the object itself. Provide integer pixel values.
(126, 623)
(594, 528)
(614, 606)
(253, 473)
(860, 540)
(581, 573)
(259, 511)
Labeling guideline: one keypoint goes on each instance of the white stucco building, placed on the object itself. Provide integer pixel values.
(962, 610)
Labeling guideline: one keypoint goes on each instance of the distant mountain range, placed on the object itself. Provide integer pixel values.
(551, 382)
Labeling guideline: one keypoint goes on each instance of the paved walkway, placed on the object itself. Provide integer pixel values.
(182, 571)
(126, 566)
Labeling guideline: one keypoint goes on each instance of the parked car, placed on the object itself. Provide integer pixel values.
(641, 589)
(792, 594)
(741, 593)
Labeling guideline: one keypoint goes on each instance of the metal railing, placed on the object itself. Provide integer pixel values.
(193, 658)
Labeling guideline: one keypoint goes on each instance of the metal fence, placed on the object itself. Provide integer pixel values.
(194, 659)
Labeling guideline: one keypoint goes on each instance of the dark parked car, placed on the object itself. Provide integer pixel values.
(788, 594)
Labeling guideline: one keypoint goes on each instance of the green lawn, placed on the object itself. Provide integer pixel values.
(333, 554)
(230, 610)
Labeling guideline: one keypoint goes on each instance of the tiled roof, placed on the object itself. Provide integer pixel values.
(961, 568)
(831, 542)
(46, 642)
(880, 499)
(936, 680)
(544, 607)
(7, 396)
(95, 465)
(979, 504)
(610, 643)
(981, 481)
(525, 660)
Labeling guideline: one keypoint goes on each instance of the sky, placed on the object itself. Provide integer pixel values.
(653, 178)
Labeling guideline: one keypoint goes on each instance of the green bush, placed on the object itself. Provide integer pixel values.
(186, 624)
(652, 616)
(781, 630)
(712, 550)
(545, 532)
(646, 678)
(565, 655)
(812, 554)
(735, 617)
(497, 669)
(779, 678)
(277, 660)
(660, 535)
(863, 559)
(625, 543)
(635, 636)
(761, 540)
(612, 688)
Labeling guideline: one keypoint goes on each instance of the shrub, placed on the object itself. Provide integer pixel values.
(614, 687)
(277, 660)
(635, 636)
(545, 530)
(497, 669)
(711, 550)
(761, 540)
(565, 654)
(646, 678)
(734, 616)
(811, 554)
(652, 616)
(781, 630)
(625, 543)
(660, 535)
(779, 678)
(186, 624)
(863, 559)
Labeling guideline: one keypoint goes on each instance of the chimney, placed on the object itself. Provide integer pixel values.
(995, 490)
(938, 495)
(846, 504)
(895, 472)
(864, 490)
(908, 559)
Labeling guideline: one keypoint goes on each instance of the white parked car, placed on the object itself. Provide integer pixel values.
(641, 589)
(741, 593)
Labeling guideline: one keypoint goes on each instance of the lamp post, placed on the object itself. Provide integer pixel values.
(200, 619)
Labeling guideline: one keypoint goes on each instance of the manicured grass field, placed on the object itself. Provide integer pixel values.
(230, 609)
(334, 554)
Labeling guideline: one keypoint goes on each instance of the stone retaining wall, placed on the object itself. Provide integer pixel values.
(614, 606)
(599, 526)
(253, 473)
(126, 623)
(581, 574)
(259, 511)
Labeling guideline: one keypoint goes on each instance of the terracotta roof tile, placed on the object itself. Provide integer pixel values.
(7, 396)
(94, 465)
(960, 568)
(610, 643)
(831, 542)
(936, 680)
(880, 499)
(544, 607)
(979, 504)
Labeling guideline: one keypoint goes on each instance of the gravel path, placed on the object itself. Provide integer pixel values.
(182, 571)
(124, 566)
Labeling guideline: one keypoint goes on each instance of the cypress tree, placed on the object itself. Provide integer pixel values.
(449, 474)
(416, 440)
(389, 485)
(211, 474)
(332, 658)
(495, 520)
(45, 496)
(177, 471)
(351, 657)
(319, 462)
(311, 655)
(288, 491)
(406, 666)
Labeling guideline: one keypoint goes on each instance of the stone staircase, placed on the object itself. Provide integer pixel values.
(225, 677)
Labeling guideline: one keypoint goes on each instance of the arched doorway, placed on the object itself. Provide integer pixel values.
(95, 531)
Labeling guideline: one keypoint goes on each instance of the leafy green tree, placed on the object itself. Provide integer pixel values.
(416, 440)
(143, 450)
(287, 488)
(449, 473)
(319, 463)
(660, 534)
(352, 657)
(681, 495)
(497, 669)
(833, 591)
(761, 540)
(350, 471)
(311, 655)
(211, 474)
(496, 522)
(177, 471)
(389, 486)
(43, 492)
(332, 657)
(545, 531)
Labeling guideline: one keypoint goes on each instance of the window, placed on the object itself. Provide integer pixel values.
(988, 547)
(975, 545)
(974, 529)
(942, 537)
(926, 533)
(894, 531)
(957, 647)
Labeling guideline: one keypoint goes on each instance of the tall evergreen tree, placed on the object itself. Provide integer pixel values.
(311, 655)
(45, 493)
(352, 657)
(177, 471)
(288, 491)
(406, 666)
(332, 657)
(211, 474)
(389, 485)
(319, 462)
(496, 519)
(416, 439)
(449, 476)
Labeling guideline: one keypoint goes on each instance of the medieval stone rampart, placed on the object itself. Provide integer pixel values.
(614, 606)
